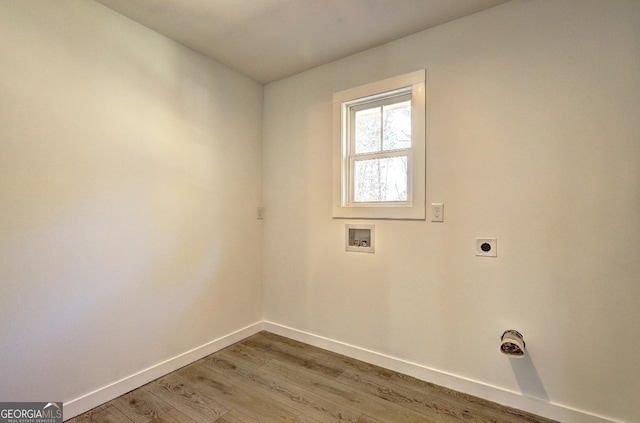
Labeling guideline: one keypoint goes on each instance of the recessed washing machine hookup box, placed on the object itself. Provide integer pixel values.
(360, 238)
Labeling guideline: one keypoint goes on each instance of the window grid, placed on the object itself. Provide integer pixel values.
(383, 155)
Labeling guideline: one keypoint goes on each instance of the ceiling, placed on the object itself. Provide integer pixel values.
(271, 39)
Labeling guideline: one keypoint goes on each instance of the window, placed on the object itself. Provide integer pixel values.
(379, 149)
(379, 145)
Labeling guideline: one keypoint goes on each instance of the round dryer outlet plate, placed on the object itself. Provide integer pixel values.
(486, 247)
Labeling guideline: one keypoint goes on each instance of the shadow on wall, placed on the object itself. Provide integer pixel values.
(528, 378)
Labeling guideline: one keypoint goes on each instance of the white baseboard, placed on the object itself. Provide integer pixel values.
(492, 393)
(107, 393)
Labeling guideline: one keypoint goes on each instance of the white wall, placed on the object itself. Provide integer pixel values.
(130, 172)
(533, 138)
(130, 169)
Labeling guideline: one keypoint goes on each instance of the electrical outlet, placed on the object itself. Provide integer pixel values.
(486, 247)
(260, 213)
(437, 212)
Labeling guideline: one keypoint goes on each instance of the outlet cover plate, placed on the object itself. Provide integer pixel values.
(437, 212)
(486, 247)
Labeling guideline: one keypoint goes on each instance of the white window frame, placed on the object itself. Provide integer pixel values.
(415, 206)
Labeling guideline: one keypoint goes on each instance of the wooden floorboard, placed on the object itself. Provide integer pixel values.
(268, 378)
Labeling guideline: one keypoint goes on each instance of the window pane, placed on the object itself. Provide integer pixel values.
(368, 130)
(380, 180)
(397, 126)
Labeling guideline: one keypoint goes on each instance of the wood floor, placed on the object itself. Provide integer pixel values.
(268, 378)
